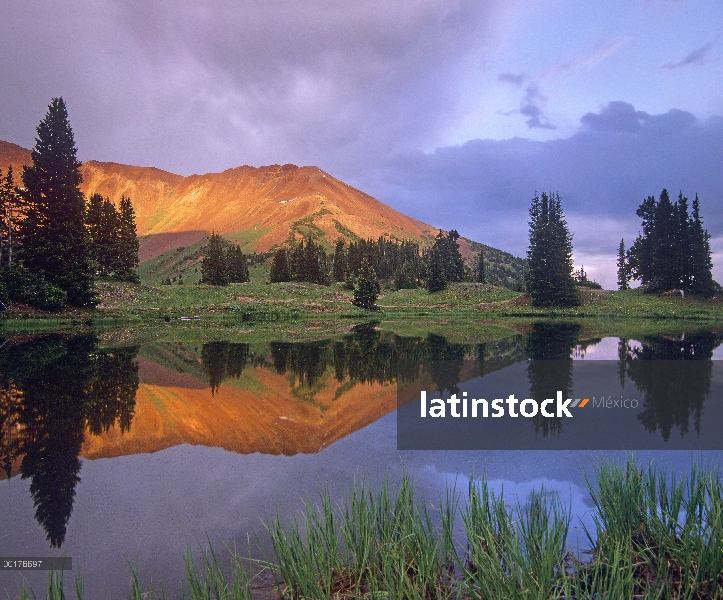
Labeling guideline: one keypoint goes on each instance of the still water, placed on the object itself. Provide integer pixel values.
(129, 455)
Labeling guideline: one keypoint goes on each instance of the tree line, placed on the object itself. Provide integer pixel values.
(54, 244)
(364, 264)
(672, 252)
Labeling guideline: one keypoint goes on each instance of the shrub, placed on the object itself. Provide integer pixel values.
(23, 286)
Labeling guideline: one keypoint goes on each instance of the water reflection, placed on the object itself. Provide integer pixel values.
(366, 355)
(54, 388)
(673, 393)
(550, 342)
(222, 360)
(62, 397)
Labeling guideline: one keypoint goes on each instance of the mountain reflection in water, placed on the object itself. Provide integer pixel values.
(62, 396)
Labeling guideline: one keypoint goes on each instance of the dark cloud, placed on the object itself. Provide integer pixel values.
(622, 117)
(198, 86)
(530, 103)
(603, 172)
(529, 107)
(697, 57)
(517, 80)
(616, 116)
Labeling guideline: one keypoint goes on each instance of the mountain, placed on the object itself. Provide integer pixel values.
(257, 208)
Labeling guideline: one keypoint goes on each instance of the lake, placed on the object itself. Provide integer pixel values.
(119, 454)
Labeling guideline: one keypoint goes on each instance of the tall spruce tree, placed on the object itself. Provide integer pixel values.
(53, 237)
(339, 267)
(103, 224)
(436, 280)
(236, 267)
(280, 267)
(213, 268)
(665, 264)
(127, 249)
(623, 269)
(367, 288)
(701, 278)
(446, 249)
(549, 256)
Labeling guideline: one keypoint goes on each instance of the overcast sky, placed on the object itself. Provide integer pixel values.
(452, 111)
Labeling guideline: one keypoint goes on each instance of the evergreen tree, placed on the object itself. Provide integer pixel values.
(664, 264)
(701, 278)
(682, 266)
(339, 261)
(127, 243)
(280, 267)
(549, 278)
(236, 267)
(367, 288)
(623, 272)
(446, 249)
(406, 277)
(213, 268)
(436, 281)
(479, 270)
(103, 224)
(53, 237)
(10, 206)
(673, 250)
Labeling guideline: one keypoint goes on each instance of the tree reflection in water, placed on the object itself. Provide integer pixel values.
(55, 387)
(221, 360)
(550, 346)
(367, 355)
(673, 375)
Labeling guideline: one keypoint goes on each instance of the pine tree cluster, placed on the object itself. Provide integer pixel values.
(113, 243)
(673, 251)
(305, 262)
(386, 257)
(443, 262)
(397, 262)
(51, 244)
(549, 256)
(223, 263)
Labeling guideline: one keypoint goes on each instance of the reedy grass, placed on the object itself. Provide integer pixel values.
(655, 535)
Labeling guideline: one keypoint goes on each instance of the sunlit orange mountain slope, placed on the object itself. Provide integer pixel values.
(258, 207)
(261, 411)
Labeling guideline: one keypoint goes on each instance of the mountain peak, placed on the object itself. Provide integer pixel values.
(257, 207)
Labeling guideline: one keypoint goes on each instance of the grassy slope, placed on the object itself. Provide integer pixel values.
(501, 268)
(185, 261)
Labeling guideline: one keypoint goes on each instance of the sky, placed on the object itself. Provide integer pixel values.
(452, 111)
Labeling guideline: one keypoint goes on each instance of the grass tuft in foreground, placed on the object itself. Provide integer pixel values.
(655, 536)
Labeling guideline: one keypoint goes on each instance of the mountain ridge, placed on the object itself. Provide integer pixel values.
(259, 208)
